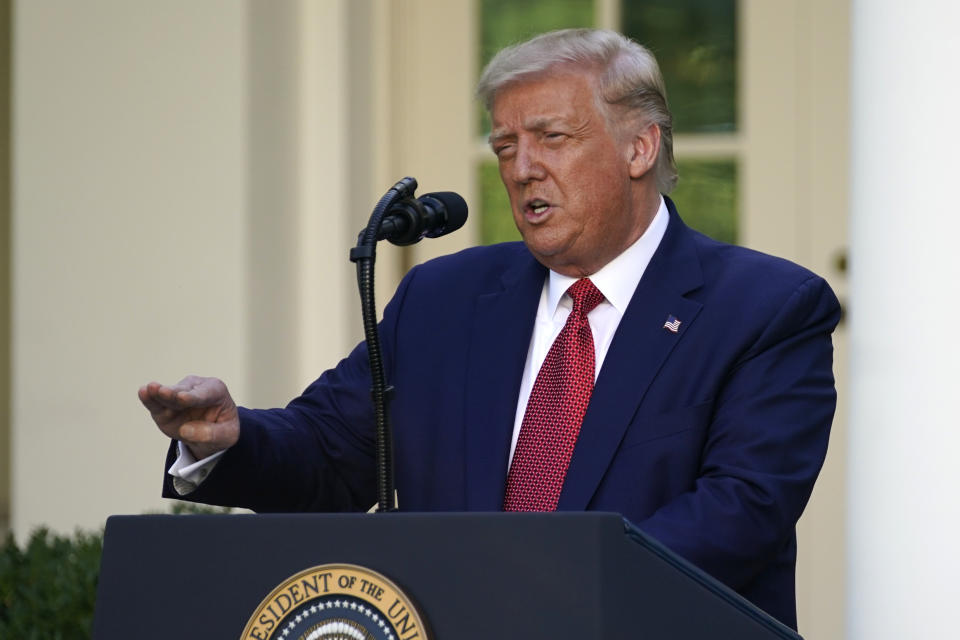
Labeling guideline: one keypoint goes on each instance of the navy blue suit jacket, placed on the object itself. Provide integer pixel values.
(709, 439)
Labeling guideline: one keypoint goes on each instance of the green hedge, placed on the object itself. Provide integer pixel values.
(48, 587)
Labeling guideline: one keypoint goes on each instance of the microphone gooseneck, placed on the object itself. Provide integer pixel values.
(402, 220)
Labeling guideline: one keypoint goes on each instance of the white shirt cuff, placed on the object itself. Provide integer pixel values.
(188, 472)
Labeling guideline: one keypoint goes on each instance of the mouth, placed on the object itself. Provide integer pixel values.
(536, 210)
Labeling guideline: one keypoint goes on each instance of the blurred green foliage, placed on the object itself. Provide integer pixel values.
(496, 221)
(706, 197)
(695, 43)
(48, 589)
(183, 508)
(506, 22)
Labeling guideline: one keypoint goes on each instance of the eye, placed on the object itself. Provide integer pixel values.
(503, 151)
(554, 137)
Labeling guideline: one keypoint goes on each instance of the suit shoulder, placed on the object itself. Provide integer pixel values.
(503, 254)
(476, 264)
(740, 266)
(758, 299)
(759, 283)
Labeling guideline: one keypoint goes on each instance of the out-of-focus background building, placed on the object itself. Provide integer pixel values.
(180, 183)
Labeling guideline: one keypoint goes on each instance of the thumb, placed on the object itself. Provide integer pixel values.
(206, 438)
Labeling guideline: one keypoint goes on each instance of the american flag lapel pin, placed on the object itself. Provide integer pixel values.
(672, 324)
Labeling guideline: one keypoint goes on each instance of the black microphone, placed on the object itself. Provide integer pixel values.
(430, 216)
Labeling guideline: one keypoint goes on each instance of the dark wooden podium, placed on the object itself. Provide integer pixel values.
(472, 575)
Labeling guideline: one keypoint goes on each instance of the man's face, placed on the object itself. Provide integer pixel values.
(567, 174)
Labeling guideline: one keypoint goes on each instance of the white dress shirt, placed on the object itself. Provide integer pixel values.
(616, 281)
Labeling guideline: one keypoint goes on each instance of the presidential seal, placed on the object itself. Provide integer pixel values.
(336, 602)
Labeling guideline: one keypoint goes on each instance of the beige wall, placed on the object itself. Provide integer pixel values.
(129, 248)
(161, 227)
(4, 263)
(188, 180)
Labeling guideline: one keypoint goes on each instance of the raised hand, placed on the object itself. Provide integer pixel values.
(197, 411)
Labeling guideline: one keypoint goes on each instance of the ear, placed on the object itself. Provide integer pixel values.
(644, 148)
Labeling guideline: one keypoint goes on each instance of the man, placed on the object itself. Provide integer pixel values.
(710, 413)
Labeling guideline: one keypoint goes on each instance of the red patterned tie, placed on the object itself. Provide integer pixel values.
(558, 401)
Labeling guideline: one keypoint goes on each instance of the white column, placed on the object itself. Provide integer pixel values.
(904, 507)
(328, 321)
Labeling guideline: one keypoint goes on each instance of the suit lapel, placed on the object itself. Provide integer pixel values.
(639, 349)
(502, 328)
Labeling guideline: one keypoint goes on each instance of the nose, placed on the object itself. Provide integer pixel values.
(527, 164)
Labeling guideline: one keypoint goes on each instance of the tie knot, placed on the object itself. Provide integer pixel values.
(585, 296)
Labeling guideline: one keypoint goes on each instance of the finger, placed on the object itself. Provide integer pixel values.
(191, 391)
(152, 397)
(201, 392)
(182, 395)
(166, 409)
(188, 383)
(146, 399)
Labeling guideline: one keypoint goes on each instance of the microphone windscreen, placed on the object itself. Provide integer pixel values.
(454, 206)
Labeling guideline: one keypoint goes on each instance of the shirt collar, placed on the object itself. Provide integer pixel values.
(618, 279)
